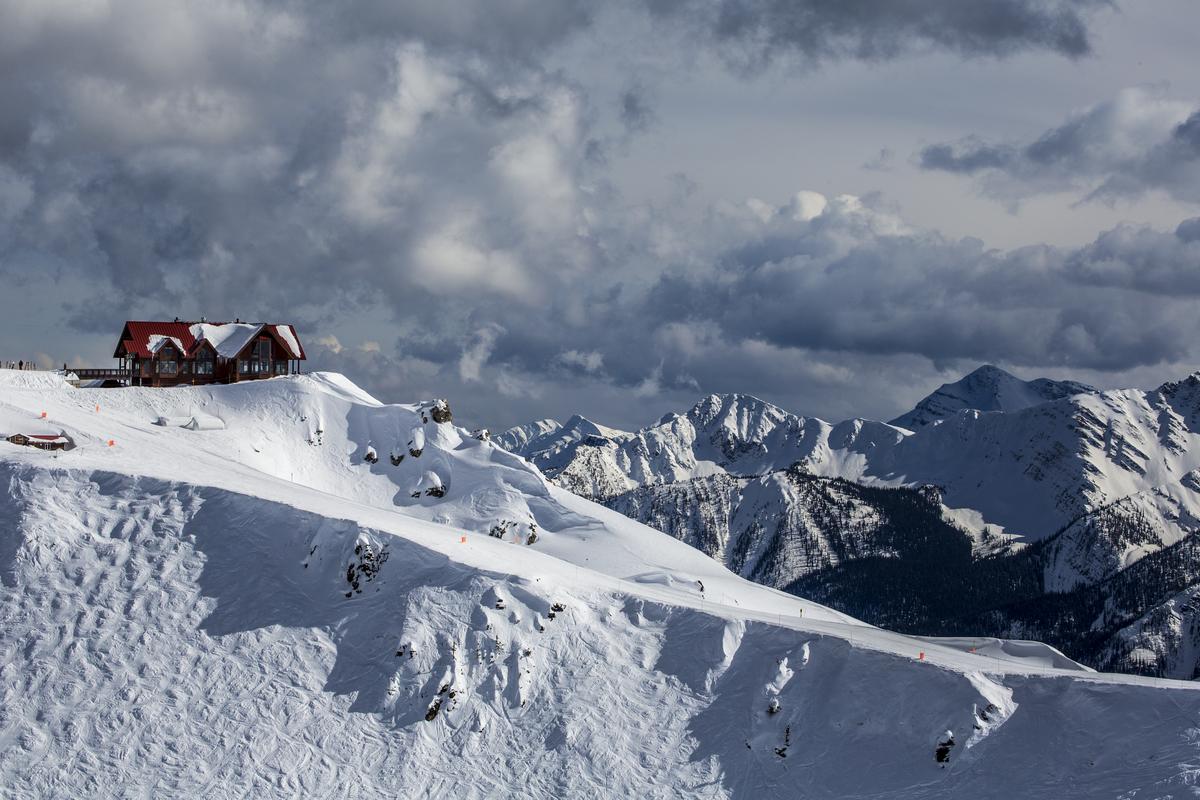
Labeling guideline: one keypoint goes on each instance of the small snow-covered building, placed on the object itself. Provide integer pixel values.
(177, 353)
(42, 441)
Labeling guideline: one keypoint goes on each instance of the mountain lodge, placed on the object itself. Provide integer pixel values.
(196, 353)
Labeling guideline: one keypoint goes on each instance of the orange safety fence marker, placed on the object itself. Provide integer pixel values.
(97, 408)
(111, 442)
(43, 415)
(462, 540)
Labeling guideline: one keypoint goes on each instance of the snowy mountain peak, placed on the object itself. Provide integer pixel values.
(582, 426)
(742, 414)
(988, 388)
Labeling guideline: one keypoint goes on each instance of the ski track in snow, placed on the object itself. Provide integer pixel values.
(174, 623)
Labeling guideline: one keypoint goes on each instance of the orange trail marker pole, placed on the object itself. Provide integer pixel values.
(43, 415)
(97, 408)
(922, 655)
(111, 443)
(462, 540)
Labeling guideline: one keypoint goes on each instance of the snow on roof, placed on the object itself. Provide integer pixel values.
(288, 334)
(227, 338)
(155, 342)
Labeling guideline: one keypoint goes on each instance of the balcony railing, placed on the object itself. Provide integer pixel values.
(93, 374)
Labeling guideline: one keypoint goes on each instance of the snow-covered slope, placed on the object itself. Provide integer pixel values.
(1037, 469)
(988, 388)
(1105, 541)
(258, 611)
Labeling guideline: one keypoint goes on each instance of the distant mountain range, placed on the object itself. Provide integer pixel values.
(1031, 509)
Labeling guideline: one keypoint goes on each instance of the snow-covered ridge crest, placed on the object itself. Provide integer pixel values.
(988, 388)
(734, 434)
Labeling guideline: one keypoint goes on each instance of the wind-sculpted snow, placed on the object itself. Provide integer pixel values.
(259, 611)
(182, 641)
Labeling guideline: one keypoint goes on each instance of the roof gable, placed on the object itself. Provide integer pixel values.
(227, 338)
(287, 335)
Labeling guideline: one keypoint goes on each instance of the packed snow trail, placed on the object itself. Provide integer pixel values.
(256, 612)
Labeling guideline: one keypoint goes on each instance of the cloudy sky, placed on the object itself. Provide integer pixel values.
(540, 208)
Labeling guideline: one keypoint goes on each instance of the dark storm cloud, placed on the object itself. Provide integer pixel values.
(753, 33)
(412, 177)
(798, 297)
(1136, 143)
(857, 281)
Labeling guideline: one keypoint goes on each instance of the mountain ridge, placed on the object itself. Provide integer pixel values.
(987, 388)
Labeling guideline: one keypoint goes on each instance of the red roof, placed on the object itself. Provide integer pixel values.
(140, 332)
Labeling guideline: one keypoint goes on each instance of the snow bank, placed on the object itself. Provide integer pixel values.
(31, 379)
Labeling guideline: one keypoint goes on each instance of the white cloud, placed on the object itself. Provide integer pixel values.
(588, 361)
(477, 352)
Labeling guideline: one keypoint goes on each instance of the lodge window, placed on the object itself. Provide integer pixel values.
(204, 363)
(281, 368)
(167, 367)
